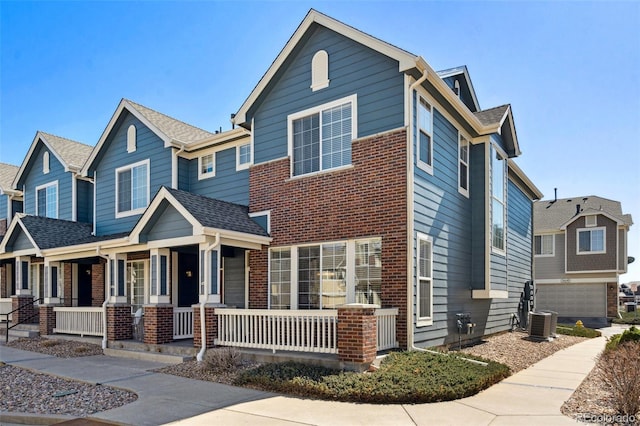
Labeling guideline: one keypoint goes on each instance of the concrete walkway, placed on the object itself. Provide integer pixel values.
(532, 396)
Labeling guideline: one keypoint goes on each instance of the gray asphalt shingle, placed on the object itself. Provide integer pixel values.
(73, 153)
(550, 215)
(8, 173)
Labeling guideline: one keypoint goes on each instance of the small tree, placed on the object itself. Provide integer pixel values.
(620, 371)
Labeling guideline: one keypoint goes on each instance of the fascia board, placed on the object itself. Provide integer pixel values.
(235, 235)
(525, 179)
(23, 167)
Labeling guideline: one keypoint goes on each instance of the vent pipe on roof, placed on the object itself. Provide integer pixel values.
(577, 209)
(555, 196)
(233, 124)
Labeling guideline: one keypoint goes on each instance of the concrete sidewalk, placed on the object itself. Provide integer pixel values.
(532, 396)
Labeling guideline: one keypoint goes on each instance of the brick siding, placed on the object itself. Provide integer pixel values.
(357, 334)
(67, 290)
(119, 322)
(28, 311)
(97, 283)
(47, 320)
(366, 200)
(158, 324)
(211, 326)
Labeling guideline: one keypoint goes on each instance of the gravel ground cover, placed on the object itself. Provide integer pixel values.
(26, 391)
(513, 349)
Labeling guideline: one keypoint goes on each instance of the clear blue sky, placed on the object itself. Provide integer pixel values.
(571, 71)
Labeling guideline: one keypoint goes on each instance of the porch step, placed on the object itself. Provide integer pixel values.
(174, 353)
(22, 330)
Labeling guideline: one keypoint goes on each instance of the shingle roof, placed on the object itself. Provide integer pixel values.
(491, 115)
(218, 214)
(8, 173)
(73, 153)
(51, 233)
(175, 129)
(550, 215)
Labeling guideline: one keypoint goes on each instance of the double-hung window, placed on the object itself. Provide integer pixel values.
(543, 245)
(424, 269)
(425, 135)
(592, 240)
(463, 166)
(498, 199)
(243, 156)
(47, 200)
(320, 138)
(132, 188)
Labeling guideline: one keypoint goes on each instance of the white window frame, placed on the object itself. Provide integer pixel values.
(206, 175)
(427, 320)
(353, 99)
(239, 164)
(427, 167)
(591, 230)
(45, 188)
(494, 150)
(350, 268)
(319, 70)
(131, 167)
(542, 238)
(461, 189)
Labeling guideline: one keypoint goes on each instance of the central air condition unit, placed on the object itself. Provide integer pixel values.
(554, 321)
(540, 325)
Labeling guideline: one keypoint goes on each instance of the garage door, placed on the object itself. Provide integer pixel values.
(573, 300)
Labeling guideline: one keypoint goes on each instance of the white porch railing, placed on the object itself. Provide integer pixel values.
(182, 323)
(5, 308)
(300, 330)
(83, 321)
(386, 321)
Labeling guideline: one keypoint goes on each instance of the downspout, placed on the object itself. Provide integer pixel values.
(203, 331)
(174, 174)
(412, 87)
(104, 304)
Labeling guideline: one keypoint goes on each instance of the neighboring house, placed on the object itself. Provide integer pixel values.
(360, 191)
(580, 253)
(10, 204)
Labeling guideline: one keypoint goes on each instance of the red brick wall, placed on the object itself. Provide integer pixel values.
(68, 286)
(27, 312)
(47, 320)
(5, 288)
(357, 334)
(119, 322)
(366, 200)
(158, 324)
(97, 283)
(612, 300)
(211, 326)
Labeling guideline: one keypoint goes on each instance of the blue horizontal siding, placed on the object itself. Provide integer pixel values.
(85, 201)
(34, 177)
(353, 69)
(227, 184)
(113, 155)
(4, 200)
(183, 174)
(167, 223)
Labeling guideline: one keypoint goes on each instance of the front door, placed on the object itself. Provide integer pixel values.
(84, 285)
(233, 286)
(187, 279)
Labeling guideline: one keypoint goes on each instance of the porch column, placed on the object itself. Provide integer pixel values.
(119, 322)
(209, 272)
(22, 276)
(27, 313)
(211, 325)
(52, 280)
(158, 324)
(116, 270)
(357, 333)
(47, 320)
(160, 276)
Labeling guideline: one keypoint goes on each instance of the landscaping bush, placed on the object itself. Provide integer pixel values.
(403, 377)
(221, 360)
(619, 369)
(630, 335)
(632, 318)
(577, 331)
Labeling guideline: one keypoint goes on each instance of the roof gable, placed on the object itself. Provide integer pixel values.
(461, 74)
(71, 154)
(501, 118)
(553, 215)
(405, 59)
(173, 132)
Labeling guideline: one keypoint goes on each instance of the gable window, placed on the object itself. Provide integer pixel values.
(320, 70)
(425, 135)
(45, 163)
(543, 245)
(591, 220)
(424, 270)
(324, 276)
(243, 156)
(463, 166)
(320, 138)
(132, 188)
(207, 166)
(131, 138)
(47, 200)
(498, 199)
(592, 241)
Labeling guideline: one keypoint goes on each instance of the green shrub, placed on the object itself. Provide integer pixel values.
(577, 331)
(630, 335)
(403, 377)
(632, 318)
